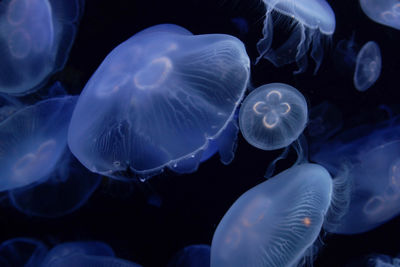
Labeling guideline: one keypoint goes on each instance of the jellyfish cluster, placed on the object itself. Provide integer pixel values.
(131, 137)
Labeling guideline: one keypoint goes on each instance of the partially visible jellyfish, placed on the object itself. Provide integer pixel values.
(365, 63)
(85, 253)
(313, 21)
(275, 223)
(381, 260)
(386, 12)
(66, 189)
(273, 116)
(157, 101)
(35, 39)
(22, 251)
(192, 256)
(33, 140)
(371, 163)
(8, 106)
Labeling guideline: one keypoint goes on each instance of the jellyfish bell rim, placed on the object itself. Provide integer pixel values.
(266, 87)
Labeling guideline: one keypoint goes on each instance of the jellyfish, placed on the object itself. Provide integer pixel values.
(8, 105)
(22, 251)
(33, 140)
(192, 256)
(365, 63)
(313, 21)
(84, 253)
(369, 156)
(386, 12)
(157, 101)
(275, 223)
(35, 40)
(273, 116)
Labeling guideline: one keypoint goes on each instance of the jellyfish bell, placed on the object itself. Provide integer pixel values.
(162, 102)
(385, 12)
(35, 37)
(368, 66)
(314, 21)
(273, 116)
(192, 256)
(22, 251)
(276, 222)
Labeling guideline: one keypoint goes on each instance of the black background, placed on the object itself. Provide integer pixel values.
(192, 205)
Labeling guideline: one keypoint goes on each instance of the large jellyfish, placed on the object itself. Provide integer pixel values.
(192, 256)
(313, 21)
(84, 253)
(35, 39)
(386, 12)
(273, 116)
(369, 156)
(276, 222)
(22, 251)
(157, 101)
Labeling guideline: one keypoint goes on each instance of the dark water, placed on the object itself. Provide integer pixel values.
(192, 205)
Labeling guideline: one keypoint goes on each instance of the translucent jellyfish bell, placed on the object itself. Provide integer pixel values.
(22, 251)
(386, 12)
(371, 163)
(368, 66)
(157, 100)
(276, 222)
(33, 140)
(273, 116)
(35, 39)
(314, 21)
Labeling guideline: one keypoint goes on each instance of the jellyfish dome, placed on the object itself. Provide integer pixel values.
(33, 139)
(276, 222)
(22, 251)
(157, 100)
(368, 66)
(273, 116)
(371, 162)
(386, 12)
(35, 39)
(314, 20)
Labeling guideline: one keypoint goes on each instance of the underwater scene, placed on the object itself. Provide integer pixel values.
(214, 133)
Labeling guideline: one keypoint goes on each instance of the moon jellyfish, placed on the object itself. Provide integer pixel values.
(66, 189)
(313, 20)
(35, 39)
(276, 222)
(386, 12)
(192, 256)
(273, 116)
(365, 63)
(33, 140)
(371, 161)
(157, 100)
(21, 251)
(88, 253)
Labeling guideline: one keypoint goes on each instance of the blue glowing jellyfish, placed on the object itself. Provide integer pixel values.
(369, 156)
(368, 66)
(273, 116)
(157, 101)
(386, 12)
(192, 256)
(314, 20)
(85, 253)
(33, 140)
(276, 222)
(35, 39)
(8, 105)
(381, 260)
(22, 251)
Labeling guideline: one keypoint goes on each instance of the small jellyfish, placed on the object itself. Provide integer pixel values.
(192, 256)
(22, 251)
(275, 223)
(33, 140)
(365, 63)
(157, 101)
(314, 21)
(368, 66)
(371, 163)
(35, 39)
(386, 12)
(85, 253)
(273, 116)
